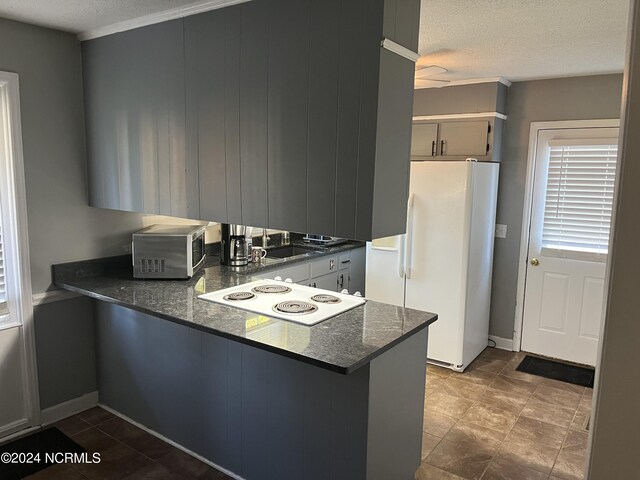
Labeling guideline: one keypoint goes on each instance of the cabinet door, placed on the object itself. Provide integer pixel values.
(463, 138)
(424, 139)
(254, 74)
(326, 282)
(206, 49)
(288, 98)
(135, 116)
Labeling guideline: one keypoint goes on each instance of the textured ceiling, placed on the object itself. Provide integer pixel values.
(523, 39)
(515, 39)
(78, 16)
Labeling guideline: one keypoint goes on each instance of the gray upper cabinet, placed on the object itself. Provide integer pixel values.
(135, 121)
(284, 114)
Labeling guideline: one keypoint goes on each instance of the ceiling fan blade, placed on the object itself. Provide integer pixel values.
(430, 83)
(429, 71)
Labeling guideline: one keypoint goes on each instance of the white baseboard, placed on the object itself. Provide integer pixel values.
(171, 442)
(502, 343)
(71, 407)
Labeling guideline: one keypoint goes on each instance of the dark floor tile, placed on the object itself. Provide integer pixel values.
(147, 444)
(72, 425)
(119, 429)
(116, 463)
(154, 471)
(96, 415)
(184, 464)
(213, 474)
(498, 354)
(94, 440)
(61, 471)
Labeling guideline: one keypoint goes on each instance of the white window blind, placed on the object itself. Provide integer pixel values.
(579, 195)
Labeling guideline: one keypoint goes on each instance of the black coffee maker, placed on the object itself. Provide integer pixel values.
(234, 246)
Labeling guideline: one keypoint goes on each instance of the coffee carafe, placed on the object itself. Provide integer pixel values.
(234, 248)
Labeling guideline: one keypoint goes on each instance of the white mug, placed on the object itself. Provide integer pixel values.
(257, 254)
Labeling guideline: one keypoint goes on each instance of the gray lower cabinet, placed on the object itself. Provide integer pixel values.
(326, 282)
(285, 114)
(357, 272)
(257, 414)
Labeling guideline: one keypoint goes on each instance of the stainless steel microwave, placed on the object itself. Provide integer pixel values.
(168, 251)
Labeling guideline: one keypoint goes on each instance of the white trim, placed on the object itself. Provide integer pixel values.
(171, 442)
(19, 433)
(470, 81)
(400, 50)
(71, 407)
(502, 343)
(536, 127)
(158, 17)
(53, 296)
(18, 239)
(453, 116)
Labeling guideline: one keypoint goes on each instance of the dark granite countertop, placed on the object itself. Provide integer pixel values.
(341, 344)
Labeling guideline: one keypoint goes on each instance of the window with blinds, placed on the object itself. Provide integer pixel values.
(579, 195)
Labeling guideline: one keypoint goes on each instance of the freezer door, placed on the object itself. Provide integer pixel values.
(441, 220)
(385, 270)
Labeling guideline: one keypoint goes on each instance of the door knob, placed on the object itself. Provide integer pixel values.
(535, 262)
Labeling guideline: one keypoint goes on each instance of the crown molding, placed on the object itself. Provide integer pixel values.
(158, 17)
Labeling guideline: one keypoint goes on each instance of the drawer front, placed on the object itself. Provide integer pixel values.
(324, 266)
(297, 273)
(344, 261)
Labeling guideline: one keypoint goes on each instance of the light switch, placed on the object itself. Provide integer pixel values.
(501, 231)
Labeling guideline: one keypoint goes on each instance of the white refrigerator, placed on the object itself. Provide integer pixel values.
(443, 263)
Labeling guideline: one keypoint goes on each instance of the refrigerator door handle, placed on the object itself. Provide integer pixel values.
(401, 252)
(409, 238)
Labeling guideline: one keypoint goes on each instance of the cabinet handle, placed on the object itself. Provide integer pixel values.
(441, 147)
(433, 148)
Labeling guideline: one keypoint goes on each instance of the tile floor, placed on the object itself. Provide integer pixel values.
(127, 453)
(492, 422)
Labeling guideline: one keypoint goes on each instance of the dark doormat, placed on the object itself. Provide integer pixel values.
(557, 371)
(28, 455)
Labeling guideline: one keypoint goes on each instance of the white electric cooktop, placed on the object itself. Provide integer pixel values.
(286, 301)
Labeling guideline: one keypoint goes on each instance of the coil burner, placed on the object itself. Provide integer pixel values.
(239, 296)
(271, 289)
(295, 307)
(324, 298)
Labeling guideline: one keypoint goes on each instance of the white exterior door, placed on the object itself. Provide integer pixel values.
(568, 242)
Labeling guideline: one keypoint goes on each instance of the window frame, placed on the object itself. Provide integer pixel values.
(16, 239)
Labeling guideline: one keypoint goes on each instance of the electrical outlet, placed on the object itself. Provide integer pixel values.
(501, 231)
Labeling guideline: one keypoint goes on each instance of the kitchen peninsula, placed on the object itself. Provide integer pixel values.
(259, 397)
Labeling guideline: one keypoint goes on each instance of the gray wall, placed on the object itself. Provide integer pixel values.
(576, 98)
(615, 433)
(61, 225)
